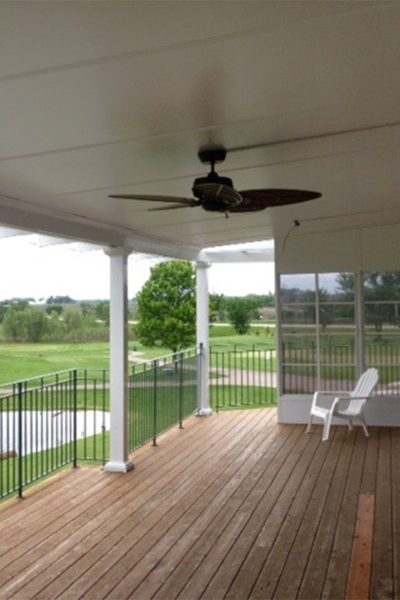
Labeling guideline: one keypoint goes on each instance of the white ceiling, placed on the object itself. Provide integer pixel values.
(116, 97)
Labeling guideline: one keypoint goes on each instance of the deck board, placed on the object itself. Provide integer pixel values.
(103, 511)
(395, 438)
(233, 506)
(313, 577)
(339, 560)
(382, 584)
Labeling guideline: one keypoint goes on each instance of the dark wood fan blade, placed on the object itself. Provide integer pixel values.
(173, 206)
(259, 199)
(152, 198)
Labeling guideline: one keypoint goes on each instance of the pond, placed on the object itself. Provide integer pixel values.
(42, 430)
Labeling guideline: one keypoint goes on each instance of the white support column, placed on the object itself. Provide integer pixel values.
(119, 460)
(202, 324)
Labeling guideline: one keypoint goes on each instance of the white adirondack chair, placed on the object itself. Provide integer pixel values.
(354, 409)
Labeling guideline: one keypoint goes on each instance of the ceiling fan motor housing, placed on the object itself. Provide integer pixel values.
(216, 194)
(201, 185)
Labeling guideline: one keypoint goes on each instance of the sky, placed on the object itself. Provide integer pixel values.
(31, 270)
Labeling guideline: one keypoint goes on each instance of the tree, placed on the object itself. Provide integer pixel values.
(37, 324)
(167, 306)
(14, 327)
(26, 325)
(60, 300)
(103, 311)
(73, 319)
(54, 308)
(217, 307)
(240, 313)
(380, 289)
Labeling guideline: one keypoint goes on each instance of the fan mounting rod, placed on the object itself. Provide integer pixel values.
(212, 156)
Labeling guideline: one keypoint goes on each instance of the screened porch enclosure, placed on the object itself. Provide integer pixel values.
(339, 314)
(334, 325)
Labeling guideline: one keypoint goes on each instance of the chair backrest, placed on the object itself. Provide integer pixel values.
(364, 388)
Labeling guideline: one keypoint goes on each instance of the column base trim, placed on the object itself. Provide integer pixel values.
(119, 467)
(204, 412)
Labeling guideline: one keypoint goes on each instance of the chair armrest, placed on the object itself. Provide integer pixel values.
(334, 393)
(365, 397)
(345, 395)
(325, 393)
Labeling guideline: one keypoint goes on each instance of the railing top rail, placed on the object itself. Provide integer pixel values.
(244, 348)
(25, 391)
(168, 357)
(34, 378)
(14, 383)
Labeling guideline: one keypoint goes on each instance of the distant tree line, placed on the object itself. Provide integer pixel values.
(60, 319)
(165, 309)
(239, 311)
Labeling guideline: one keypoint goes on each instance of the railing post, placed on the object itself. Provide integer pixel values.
(155, 365)
(20, 438)
(181, 391)
(103, 409)
(75, 416)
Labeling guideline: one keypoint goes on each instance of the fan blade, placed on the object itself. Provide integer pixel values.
(259, 199)
(151, 198)
(174, 206)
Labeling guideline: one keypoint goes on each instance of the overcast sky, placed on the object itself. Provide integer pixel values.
(28, 270)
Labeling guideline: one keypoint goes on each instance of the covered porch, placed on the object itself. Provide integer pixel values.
(233, 506)
(104, 99)
(123, 103)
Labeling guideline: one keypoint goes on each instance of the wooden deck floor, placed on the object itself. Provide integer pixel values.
(233, 506)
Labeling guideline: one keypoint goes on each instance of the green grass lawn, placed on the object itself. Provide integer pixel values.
(22, 361)
(256, 335)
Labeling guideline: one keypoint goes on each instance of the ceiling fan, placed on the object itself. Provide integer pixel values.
(217, 194)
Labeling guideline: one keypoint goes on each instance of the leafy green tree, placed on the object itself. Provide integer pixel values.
(14, 326)
(37, 324)
(103, 311)
(167, 306)
(4, 307)
(56, 330)
(60, 300)
(379, 288)
(240, 313)
(88, 310)
(269, 300)
(26, 325)
(217, 308)
(19, 303)
(54, 308)
(73, 319)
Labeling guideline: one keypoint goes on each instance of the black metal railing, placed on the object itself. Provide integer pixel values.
(334, 366)
(51, 421)
(162, 393)
(386, 358)
(37, 429)
(242, 377)
(63, 418)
